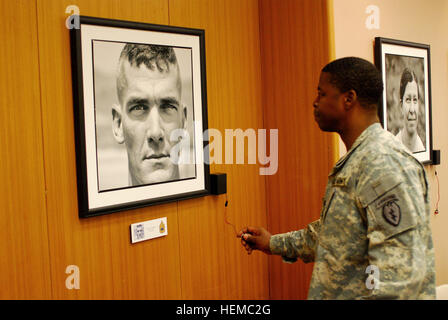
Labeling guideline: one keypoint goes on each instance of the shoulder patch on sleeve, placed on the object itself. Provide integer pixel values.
(391, 210)
(389, 206)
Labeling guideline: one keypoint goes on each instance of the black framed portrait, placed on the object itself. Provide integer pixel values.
(140, 110)
(405, 109)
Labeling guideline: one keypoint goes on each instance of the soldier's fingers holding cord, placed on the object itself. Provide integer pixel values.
(249, 238)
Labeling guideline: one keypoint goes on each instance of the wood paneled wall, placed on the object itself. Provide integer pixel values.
(200, 258)
(110, 267)
(294, 42)
(24, 255)
(220, 268)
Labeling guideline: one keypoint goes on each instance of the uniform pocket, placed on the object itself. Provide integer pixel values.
(327, 203)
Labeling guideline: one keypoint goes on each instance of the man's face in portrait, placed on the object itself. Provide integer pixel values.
(150, 110)
(410, 108)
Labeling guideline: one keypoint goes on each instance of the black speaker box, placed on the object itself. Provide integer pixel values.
(218, 183)
(435, 157)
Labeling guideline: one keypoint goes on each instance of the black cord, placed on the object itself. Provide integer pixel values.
(438, 194)
(225, 216)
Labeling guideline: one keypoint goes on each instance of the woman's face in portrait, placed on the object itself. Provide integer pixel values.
(409, 105)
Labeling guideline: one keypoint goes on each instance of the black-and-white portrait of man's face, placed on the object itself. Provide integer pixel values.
(143, 94)
(405, 98)
(140, 113)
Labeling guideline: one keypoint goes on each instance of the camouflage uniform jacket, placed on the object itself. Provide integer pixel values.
(373, 239)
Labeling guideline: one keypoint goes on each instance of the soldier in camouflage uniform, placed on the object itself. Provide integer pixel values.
(373, 239)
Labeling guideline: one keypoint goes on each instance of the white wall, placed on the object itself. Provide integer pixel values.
(422, 21)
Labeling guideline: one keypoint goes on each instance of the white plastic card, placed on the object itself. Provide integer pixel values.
(150, 229)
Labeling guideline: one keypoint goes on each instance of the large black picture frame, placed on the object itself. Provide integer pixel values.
(112, 174)
(402, 63)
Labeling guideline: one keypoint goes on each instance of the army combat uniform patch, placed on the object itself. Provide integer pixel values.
(391, 210)
(392, 213)
(389, 206)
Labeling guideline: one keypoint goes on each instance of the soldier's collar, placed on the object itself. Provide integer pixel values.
(362, 137)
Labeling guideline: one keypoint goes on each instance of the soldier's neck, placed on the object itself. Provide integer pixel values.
(352, 131)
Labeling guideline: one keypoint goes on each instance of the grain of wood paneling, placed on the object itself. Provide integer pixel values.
(110, 267)
(24, 254)
(294, 47)
(214, 265)
(263, 63)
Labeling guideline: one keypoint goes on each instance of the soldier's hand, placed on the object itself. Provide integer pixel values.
(255, 238)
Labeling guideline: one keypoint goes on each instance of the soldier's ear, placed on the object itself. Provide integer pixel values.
(350, 97)
(184, 116)
(117, 124)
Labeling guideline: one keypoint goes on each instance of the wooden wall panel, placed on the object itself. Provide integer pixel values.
(110, 267)
(294, 47)
(214, 265)
(260, 57)
(24, 255)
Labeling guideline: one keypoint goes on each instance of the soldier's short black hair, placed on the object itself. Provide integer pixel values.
(152, 56)
(352, 73)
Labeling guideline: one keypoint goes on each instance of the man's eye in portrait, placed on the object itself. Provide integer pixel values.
(169, 108)
(138, 110)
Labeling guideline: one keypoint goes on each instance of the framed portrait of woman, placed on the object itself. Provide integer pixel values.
(405, 109)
